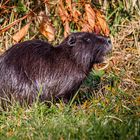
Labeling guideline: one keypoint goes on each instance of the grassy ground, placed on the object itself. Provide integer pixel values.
(97, 121)
(108, 104)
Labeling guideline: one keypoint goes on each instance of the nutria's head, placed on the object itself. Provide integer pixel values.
(87, 48)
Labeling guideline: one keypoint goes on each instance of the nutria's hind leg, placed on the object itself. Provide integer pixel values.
(65, 98)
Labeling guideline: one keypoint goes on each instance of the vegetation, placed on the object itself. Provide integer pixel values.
(107, 106)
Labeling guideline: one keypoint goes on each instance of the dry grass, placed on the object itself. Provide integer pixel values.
(126, 55)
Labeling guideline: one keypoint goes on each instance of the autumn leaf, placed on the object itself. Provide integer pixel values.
(47, 29)
(76, 14)
(21, 33)
(90, 15)
(86, 27)
(72, 12)
(69, 5)
(66, 29)
(97, 29)
(65, 17)
(102, 23)
(62, 12)
(92, 19)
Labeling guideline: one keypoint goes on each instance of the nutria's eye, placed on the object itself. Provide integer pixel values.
(88, 40)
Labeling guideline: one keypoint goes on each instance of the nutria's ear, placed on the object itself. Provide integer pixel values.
(72, 40)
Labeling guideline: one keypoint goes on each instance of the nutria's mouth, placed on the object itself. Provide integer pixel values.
(108, 49)
(107, 52)
(103, 53)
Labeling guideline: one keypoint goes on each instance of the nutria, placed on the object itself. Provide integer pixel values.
(35, 69)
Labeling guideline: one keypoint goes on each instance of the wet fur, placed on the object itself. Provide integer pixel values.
(35, 69)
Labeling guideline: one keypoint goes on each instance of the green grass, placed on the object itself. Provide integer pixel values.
(96, 122)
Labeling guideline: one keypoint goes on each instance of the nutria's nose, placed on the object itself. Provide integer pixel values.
(109, 41)
(109, 46)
